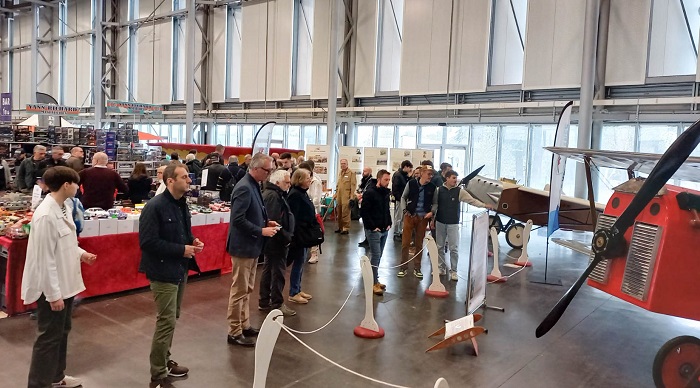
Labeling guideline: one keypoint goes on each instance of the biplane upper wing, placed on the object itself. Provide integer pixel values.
(634, 161)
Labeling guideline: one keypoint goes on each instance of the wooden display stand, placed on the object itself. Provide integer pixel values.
(458, 331)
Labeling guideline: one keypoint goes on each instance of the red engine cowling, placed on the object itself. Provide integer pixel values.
(660, 271)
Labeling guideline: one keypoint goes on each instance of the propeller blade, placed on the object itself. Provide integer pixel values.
(471, 175)
(611, 242)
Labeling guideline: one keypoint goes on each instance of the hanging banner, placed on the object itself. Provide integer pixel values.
(134, 108)
(6, 107)
(319, 154)
(561, 139)
(354, 157)
(478, 259)
(55, 110)
(263, 139)
(398, 155)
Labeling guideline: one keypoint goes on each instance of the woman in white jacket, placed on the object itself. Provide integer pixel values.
(315, 192)
(52, 277)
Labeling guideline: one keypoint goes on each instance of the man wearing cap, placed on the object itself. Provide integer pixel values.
(417, 200)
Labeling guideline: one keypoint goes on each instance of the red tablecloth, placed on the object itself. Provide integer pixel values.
(116, 268)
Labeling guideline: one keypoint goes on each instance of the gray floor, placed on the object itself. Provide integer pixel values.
(600, 341)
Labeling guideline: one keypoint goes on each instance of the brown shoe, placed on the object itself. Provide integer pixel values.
(175, 370)
(377, 289)
(298, 299)
(383, 286)
(161, 383)
(305, 295)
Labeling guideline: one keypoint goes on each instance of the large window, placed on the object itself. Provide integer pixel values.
(431, 135)
(365, 136)
(247, 136)
(389, 45)
(407, 136)
(310, 136)
(385, 136)
(303, 44)
(484, 144)
(457, 135)
(514, 153)
(293, 136)
(618, 137)
(540, 159)
(221, 131)
(233, 51)
(508, 42)
(673, 43)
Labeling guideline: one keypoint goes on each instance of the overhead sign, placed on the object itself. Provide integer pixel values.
(56, 110)
(134, 108)
(6, 107)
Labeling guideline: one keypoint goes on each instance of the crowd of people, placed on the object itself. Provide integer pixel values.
(275, 202)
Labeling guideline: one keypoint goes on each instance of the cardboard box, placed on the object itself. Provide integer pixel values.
(108, 226)
(91, 228)
(125, 226)
(213, 218)
(199, 219)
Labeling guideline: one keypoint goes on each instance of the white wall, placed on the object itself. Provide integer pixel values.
(470, 46)
(554, 44)
(628, 42)
(366, 49)
(218, 54)
(278, 17)
(321, 47)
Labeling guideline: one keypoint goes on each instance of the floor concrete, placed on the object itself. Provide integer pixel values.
(601, 341)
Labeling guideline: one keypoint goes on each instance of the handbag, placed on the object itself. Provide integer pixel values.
(308, 235)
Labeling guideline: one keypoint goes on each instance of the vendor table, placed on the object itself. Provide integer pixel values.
(116, 268)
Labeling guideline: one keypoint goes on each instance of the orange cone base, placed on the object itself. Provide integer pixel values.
(525, 264)
(364, 332)
(437, 294)
(495, 279)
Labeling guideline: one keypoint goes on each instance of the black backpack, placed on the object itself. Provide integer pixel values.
(227, 190)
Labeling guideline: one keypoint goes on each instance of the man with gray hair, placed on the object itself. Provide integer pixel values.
(28, 170)
(99, 183)
(248, 229)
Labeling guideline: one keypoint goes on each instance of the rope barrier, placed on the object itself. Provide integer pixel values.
(329, 322)
(288, 330)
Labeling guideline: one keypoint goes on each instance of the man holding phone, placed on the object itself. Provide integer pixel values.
(167, 253)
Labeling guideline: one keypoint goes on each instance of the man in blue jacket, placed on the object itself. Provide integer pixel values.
(247, 230)
(167, 253)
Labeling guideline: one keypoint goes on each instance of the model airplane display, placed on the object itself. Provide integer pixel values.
(522, 203)
(644, 247)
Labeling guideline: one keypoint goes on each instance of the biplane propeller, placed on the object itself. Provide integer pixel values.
(609, 243)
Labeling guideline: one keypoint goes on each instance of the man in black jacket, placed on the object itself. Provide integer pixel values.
(277, 247)
(417, 200)
(377, 221)
(229, 177)
(167, 253)
(398, 184)
(213, 171)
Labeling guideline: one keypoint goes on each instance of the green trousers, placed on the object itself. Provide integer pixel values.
(168, 298)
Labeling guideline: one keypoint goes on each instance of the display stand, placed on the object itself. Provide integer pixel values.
(478, 259)
(368, 327)
(524, 259)
(267, 338)
(495, 276)
(436, 289)
(441, 383)
(457, 331)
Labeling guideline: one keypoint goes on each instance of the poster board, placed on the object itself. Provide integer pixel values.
(478, 259)
(320, 155)
(354, 155)
(397, 156)
(421, 155)
(376, 158)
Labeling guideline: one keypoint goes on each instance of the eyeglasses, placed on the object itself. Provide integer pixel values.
(267, 170)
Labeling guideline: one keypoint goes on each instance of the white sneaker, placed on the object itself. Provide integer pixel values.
(313, 259)
(443, 271)
(68, 382)
(453, 276)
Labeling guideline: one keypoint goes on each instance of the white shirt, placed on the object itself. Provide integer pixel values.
(53, 255)
(315, 192)
(161, 188)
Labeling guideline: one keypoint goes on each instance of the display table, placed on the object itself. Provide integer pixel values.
(116, 268)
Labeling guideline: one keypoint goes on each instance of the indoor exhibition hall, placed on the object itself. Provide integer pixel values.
(349, 193)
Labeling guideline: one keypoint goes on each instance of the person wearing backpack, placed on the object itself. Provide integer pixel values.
(228, 178)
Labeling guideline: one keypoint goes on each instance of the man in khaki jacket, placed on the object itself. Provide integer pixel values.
(344, 192)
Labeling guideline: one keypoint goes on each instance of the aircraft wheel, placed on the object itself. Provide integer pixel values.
(495, 221)
(514, 235)
(677, 363)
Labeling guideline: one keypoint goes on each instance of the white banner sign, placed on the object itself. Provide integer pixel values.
(320, 155)
(478, 259)
(355, 159)
(376, 159)
(561, 139)
(398, 155)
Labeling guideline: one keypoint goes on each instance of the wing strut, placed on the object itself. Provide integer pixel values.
(591, 194)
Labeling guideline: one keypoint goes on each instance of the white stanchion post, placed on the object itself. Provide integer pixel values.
(441, 383)
(368, 327)
(523, 260)
(436, 289)
(495, 276)
(267, 338)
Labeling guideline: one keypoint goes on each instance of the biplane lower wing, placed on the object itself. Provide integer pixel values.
(574, 245)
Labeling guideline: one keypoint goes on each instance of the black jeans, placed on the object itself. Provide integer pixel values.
(272, 280)
(49, 354)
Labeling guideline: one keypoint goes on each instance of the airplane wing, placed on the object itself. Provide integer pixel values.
(635, 161)
(574, 245)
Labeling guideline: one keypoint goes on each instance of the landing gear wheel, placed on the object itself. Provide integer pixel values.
(514, 235)
(677, 363)
(495, 222)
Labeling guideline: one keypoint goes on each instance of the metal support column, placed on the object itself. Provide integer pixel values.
(34, 64)
(588, 69)
(205, 64)
(189, 70)
(98, 68)
(333, 95)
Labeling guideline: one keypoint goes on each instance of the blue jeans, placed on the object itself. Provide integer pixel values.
(296, 256)
(376, 241)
